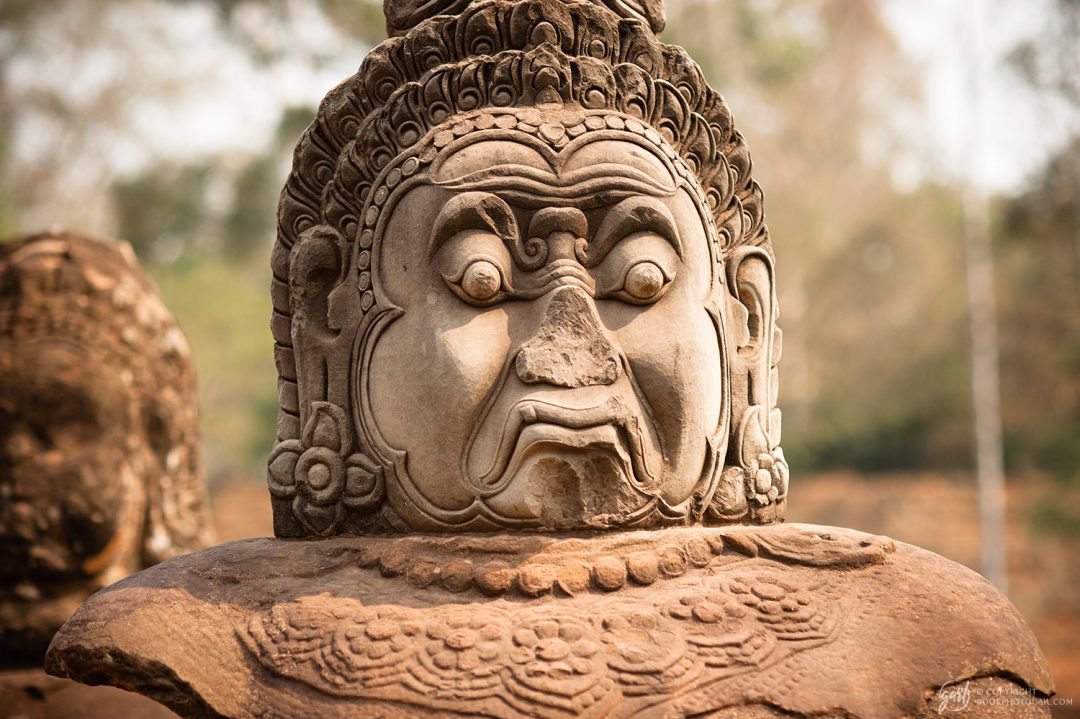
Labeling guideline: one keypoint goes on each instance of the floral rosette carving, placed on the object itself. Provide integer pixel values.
(462, 656)
(761, 463)
(343, 647)
(557, 661)
(729, 637)
(720, 610)
(648, 653)
(790, 611)
(322, 473)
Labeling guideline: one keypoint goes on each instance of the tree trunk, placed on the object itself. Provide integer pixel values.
(985, 384)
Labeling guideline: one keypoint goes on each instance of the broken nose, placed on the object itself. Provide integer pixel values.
(570, 348)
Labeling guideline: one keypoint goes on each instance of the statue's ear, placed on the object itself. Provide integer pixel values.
(755, 336)
(325, 317)
(316, 265)
(754, 482)
(322, 309)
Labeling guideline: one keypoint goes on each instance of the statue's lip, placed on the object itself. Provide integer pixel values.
(544, 437)
(610, 424)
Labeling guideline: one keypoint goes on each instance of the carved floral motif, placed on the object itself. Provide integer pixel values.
(557, 659)
(321, 472)
(461, 655)
(761, 461)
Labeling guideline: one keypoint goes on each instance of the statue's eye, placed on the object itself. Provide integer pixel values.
(481, 281)
(644, 283)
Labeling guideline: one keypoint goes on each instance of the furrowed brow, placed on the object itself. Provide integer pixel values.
(633, 215)
(473, 211)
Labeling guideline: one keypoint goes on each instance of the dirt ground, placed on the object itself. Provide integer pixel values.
(935, 511)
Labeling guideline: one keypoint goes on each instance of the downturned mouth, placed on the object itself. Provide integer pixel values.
(614, 422)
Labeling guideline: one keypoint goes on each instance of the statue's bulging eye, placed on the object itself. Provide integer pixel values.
(481, 281)
(644, 281)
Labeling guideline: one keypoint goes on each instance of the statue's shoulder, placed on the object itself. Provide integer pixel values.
(786, 620)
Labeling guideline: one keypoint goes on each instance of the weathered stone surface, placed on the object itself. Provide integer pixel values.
(524, 302)
(789, 620)
(100, 468)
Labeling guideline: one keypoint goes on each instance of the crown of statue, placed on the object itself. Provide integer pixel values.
(502, 57)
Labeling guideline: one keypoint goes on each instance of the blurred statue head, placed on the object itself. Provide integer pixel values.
(522, 280)
(100, 472)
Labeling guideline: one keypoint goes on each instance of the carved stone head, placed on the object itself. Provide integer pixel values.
(100, 470)
(522, 280)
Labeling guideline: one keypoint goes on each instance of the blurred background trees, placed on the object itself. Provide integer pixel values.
(170, 124)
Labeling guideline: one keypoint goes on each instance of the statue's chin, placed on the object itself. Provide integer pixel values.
(569, 479)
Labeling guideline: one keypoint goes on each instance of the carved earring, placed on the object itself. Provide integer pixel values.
(761, 464)
(322, 474)
(757, 484)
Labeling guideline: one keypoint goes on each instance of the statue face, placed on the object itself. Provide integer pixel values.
(558, 360)
(71, 501)
(523, 279)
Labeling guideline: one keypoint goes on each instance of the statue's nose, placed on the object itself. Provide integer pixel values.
(570, 348)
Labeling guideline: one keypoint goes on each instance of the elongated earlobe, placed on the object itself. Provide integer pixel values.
(755, 478)
(323, 309)
(751, 283)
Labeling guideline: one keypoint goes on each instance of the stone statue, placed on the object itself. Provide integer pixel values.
(100, 468)
(526, 334)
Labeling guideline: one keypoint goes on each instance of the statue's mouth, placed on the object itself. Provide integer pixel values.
(534, 426)
(588, 420)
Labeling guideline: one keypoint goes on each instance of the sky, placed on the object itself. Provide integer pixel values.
(188, 89)
(984, 125)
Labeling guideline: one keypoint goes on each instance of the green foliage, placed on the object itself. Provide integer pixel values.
(776, 54)
(1052, 517)
(362, 19)
(293, 122)
(163, 211)
(249, 222)
(1039, 280)
(210, 207)
(904, 418)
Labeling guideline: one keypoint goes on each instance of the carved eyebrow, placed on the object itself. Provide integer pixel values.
(585, 187)
(473, 211)
(635, 214)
